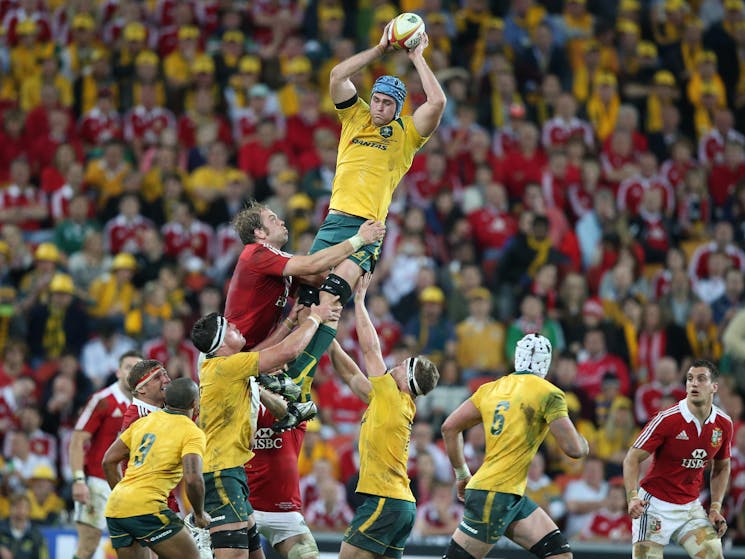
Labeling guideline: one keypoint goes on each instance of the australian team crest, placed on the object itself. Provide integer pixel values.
(386, 131)
(716, 437)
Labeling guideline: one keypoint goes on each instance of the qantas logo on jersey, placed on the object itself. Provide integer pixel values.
(365, 143)
(697, 461)
(266, 439)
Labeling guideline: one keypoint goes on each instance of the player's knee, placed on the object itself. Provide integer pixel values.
(337, 285)
(646, 550)
(231, 539)
(307, 295)
(552, 544)
(254, 538)
(704, 543)
(455, 551)
(306, 549)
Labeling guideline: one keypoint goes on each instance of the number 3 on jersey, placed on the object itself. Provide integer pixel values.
(498, 422)
(145, 445)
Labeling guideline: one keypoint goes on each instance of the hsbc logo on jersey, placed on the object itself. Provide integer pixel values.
(697, 461)
(266, 439)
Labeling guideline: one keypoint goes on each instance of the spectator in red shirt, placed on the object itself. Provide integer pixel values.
(492, 225)
(525, 164)
(595, 361)
(14, 362)
(330, 511)
(14, 139)
(666, 381)
(725, 175)
(253, 156)
(611, 524)
(440, 515)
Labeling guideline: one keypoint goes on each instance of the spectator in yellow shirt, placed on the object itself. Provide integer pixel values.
(298, 73)
(479, 348)
(46, 505)
(706, 74)
(662, 94)
(314, 449)
(210, 180)
(48, 74)
(24, 58)
(668, 22)
(177, 65)
(247, 76)
(113, 295)
(77, 57)
(603, 106)
(106, 174)
(578, 25)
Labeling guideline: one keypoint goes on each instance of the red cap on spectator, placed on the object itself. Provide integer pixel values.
(517, 110)
(593, 307)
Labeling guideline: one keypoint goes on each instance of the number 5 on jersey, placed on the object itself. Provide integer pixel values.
(498, 422)
(145, 445)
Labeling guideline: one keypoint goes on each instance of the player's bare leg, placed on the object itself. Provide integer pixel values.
(349, 551)
(540, 535)
(228, 531)
(469, 547)
(702, 542)
(88, 540)
(646, 550)
(302, 546)
(180, 546)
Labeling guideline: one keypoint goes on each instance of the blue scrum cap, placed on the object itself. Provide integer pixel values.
(393, 87)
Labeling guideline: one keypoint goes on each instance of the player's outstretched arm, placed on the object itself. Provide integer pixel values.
(427, 116)
(272, 358)
(366, 334)
(631, 465)
(571, 442)
(341, 87)
(117, 452)
(194, 481)
(283, 329)
(322, 261)
(349, 372)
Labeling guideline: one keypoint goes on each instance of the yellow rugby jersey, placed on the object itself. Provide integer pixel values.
(157, 443)
(225, 409)
(371, 161)
(384, 441)
(516, 411)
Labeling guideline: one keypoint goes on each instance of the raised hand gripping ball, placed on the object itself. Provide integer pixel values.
(406, 32)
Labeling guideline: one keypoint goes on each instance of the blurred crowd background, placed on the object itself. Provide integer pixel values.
(587, 182)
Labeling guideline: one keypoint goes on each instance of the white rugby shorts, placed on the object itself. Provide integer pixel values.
(276, 527)
(92, 512)
(662, 521)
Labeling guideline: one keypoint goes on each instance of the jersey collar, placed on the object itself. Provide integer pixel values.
(119, 394)
(688, 416)
(140, 404)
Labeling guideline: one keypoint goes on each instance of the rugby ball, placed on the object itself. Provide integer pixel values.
(406, 31)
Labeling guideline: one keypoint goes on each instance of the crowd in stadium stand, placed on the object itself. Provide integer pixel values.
(587, 182)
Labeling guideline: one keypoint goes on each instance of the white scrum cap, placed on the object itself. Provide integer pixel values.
(533, 354)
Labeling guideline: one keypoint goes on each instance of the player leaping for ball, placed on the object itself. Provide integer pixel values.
(376, 149)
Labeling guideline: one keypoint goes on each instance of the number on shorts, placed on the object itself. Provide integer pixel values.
(498, 423)
(145, 445)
